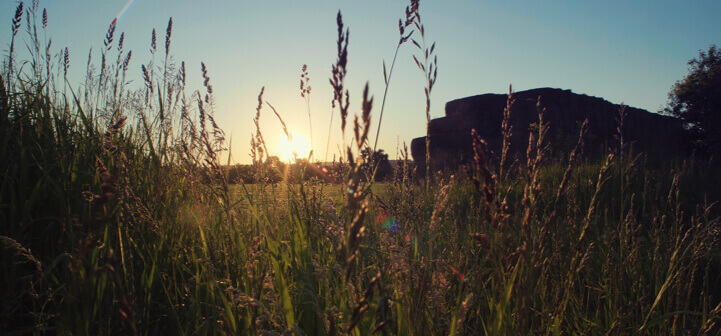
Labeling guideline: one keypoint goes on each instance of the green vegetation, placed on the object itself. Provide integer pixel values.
(117, 217)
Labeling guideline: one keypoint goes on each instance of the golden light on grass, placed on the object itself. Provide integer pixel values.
(297, 147)
(156, 232)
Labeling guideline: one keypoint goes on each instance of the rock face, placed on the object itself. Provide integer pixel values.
(654, 134)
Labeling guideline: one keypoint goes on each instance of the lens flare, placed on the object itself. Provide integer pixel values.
(125, 9)
(387, 221)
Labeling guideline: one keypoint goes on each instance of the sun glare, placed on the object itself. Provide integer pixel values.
(296, 147)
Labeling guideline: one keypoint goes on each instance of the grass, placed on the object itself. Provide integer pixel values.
(117, 217)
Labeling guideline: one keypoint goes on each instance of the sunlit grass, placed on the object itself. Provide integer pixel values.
(118, 217)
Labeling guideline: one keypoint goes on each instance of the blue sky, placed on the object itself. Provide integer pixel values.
(623, 51)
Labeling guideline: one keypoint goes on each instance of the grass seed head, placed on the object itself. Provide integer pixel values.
(17, 19)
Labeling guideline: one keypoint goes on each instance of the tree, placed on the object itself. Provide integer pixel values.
(697, 100)
(380, 163)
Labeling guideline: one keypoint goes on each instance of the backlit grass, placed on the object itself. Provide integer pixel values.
(118, 217)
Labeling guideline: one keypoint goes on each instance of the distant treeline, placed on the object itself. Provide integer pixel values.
(274, 170)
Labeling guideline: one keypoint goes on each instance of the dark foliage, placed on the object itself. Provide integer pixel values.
(379, 163)
(697, 100)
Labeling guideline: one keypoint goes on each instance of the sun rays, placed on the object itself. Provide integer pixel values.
(297, 147)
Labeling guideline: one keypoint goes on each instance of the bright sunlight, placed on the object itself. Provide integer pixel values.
(298, 146)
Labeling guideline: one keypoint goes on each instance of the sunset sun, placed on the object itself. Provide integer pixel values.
(298, 146)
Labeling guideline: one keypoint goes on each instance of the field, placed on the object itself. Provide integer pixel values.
(117, 216)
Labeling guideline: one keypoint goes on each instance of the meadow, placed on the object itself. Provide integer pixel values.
(117, 216)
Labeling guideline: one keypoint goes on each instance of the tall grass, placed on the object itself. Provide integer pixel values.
(119, 218)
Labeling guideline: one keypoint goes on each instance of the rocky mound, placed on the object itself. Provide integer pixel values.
(654, 134)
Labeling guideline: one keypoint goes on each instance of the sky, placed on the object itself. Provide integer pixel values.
(622, 51)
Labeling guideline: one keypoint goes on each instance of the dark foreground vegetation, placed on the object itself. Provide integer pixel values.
(118, 217)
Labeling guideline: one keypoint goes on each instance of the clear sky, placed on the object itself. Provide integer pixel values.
(623, 51)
